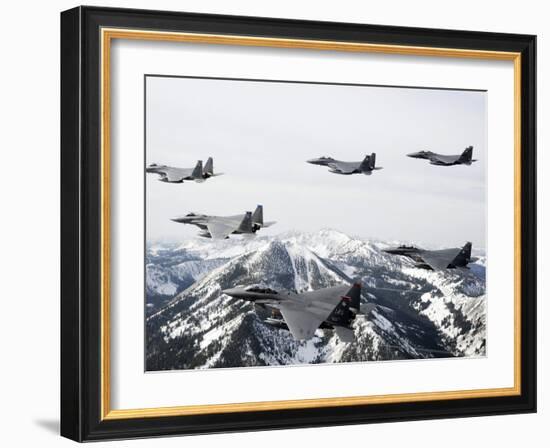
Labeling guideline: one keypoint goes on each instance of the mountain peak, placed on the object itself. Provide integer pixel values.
(419, 313)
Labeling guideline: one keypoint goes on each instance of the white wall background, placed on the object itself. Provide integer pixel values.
(29, 108)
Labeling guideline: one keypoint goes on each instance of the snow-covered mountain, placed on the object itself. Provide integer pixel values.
(192, 324)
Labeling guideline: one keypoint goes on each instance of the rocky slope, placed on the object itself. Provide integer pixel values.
(192, 324)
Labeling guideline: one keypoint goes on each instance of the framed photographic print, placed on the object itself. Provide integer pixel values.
(273, 223)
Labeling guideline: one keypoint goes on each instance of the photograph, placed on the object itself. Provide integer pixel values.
(284, 221)
(294, 223)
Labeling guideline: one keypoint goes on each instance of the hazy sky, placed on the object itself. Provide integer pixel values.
(261, 133)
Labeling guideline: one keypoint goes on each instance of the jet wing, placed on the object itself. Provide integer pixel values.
(328, 297)
(443, 160)
(219, 229)
(176, 174)
(344, 167)
(302, 324)
(307, 311)
(439, 259)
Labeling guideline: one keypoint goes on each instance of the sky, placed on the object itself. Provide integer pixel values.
(261, 133)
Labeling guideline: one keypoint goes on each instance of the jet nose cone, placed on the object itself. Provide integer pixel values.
(419, 155)
(231, 291)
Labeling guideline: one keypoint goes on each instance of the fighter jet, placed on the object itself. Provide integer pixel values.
(178, 175)
(220, 227)
(438, 159)
(366, 166)
(303, 313)
(436, 260)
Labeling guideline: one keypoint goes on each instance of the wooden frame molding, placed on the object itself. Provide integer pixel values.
(108, 35)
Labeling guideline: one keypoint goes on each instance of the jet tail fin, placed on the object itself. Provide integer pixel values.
(464, 256)
(354, 297)
(368, 163)
(197, 171)
(246, 224)
(208, 168)
(348, 307)
(466, 156)
(365, 166)
(258, 216)
(372, 160)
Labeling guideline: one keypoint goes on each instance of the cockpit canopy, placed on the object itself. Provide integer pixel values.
(261, 290)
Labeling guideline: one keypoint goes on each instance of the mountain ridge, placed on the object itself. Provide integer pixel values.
(418, 314)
